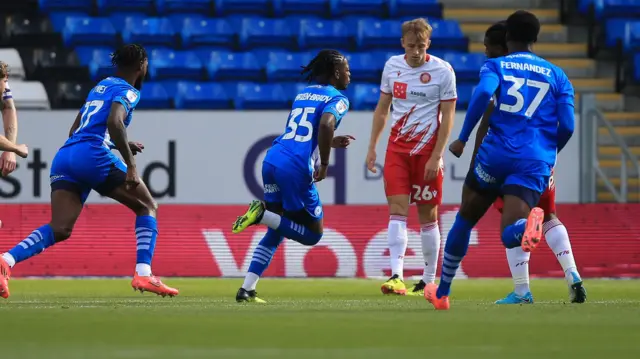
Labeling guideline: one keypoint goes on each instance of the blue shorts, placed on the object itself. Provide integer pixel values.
(497, 174)
(295, 191)
(83, 166)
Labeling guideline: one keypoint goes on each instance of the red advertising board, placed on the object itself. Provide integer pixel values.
(196, 240)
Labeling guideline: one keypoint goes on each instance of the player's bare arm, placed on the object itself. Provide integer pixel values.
(118, 133)
(326, 129)
(432, 167)
(380, 116)
(10, 122)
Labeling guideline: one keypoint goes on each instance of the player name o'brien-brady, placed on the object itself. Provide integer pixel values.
(525, 67)
(307, 96)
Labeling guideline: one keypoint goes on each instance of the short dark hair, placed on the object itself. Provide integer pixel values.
(523, 26)
(128, 56)
(497, 34)
(323, 65)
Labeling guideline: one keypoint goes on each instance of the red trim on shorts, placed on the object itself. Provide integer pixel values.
(449, 100)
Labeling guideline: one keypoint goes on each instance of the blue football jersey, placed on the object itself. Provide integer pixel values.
(298, 145)
(95, 111)
(524, 122)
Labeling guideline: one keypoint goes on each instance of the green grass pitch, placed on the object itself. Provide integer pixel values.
(314, 318)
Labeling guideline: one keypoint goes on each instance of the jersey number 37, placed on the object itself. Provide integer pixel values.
(298, 120)
(514, 91)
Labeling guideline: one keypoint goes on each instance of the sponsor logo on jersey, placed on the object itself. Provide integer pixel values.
(131, 96)
(341, 107)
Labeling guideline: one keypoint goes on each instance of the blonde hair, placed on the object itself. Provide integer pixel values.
(419, 27)
(4, 69)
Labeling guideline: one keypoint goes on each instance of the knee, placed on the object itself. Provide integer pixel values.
(61, 232)
(427, 214)
(398, 209)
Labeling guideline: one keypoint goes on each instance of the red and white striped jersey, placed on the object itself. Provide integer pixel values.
(417, 94)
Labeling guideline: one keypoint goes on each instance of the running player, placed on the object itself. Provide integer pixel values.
(85, 162)
(291, 206)
(10, 121)
(554, 231)
(534, 121)
(422, 89)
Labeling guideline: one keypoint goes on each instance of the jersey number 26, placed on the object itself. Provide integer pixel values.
(297, 119)
(514, 91)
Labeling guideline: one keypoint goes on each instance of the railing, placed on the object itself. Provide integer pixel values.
(590, 121)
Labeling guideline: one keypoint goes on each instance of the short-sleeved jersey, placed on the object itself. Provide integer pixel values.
(95, 111)
(524, 123)
(417, 94)
(7, 92)
(297, 147)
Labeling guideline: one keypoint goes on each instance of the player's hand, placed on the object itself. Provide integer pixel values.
(320, 173)
(22, 151)
(8, 162)
(457, 148)
(432, 168)
(136, 147)
(132, 181)
(342, 141)
(371, 161)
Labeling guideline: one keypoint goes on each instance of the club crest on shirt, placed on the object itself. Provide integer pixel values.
(425, 78)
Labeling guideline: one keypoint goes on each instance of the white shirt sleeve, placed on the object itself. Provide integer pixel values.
(448, 90)
(384, 82)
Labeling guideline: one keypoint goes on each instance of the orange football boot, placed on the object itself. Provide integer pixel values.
(430, 295)
(5, 274)
(533, 230)
(152, 284)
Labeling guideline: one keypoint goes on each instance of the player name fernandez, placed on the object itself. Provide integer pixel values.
(525, 67)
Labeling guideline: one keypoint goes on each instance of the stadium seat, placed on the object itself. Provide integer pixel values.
(153, 95)
(380, 34)
(224, 65)
(97, 59)
(359, 7)
(119, 19)
(265, 33)
(364, 67)
(466, 65)
(285, 66)
(88, 31)
(47, 6)
(303, 7)
(207, 32)
(324, 33)
(54, 65)
(292, 89)
(168, 7)
(426, 8)
(71, 94)
(164, 64)
(202, 95)
(58, 19)
(33, 95)
(607, 9)
(28, 31)
(464, 95)
(365, 96)
(12, 58)
(226, 7)
(149, 31)
(253, 96)
(179, 20)
(626, 30)
(447, 35)
(108, 6)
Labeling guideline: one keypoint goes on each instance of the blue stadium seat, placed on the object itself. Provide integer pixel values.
(448, 35)
(149, 31)
(165, 64)
(98, 59)
(266, 33)
(89, 31)
(107, 6)
(202, 95)
(306, 7)
(365, 96)
(464, 95)
(168, 7)
(625, 30)
(59, 18)
(120, 19)
(207, 32)
(224, 65)
(225, 7)
(466, 65)
(260, 96)
(324, 33)
(47, 6)
(426, 8)
(285, 66)
(292, 89)
(359, 7)
(364, 67)
(378, 34)
(607, 9)
(153, 95)
(179, 20)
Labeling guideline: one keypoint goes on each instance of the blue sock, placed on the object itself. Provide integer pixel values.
(454, 250)
(146, 234)
(512, 234)
(264, 252)
(38, 241)
(298, 232)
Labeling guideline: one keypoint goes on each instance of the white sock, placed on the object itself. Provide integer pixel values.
(9, 259)
(558, 240)
(430, 235)
(271, 220)
(398, 239)
(143, 270)
(519, 266)
(250, 281)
